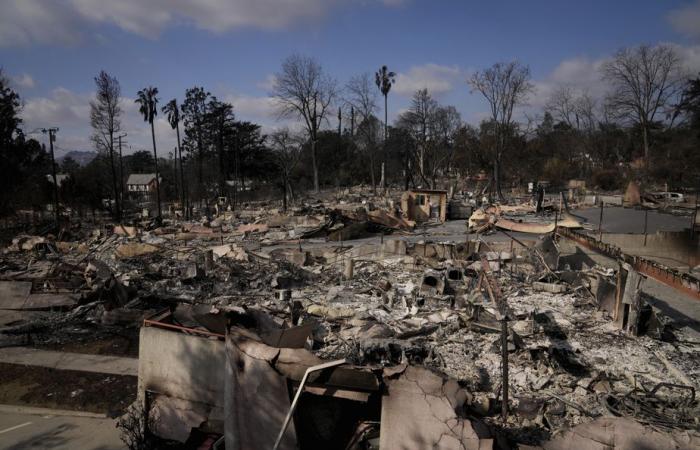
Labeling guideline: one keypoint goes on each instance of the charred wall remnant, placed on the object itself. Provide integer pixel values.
(678, 280)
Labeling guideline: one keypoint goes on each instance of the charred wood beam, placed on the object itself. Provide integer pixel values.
(680, 281)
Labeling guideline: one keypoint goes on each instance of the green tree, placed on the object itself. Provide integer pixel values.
(23, 162)
(691, 103)
(384, 80)
(147, 98)
(504, 86)
(303, 90)
(173, 112)
(220, 122)
(362, 98)
(141, 161)
(194, 116)
(69, 165)
(646, 81)
(105, 113)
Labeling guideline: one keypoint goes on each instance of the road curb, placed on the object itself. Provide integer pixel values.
(19, 409)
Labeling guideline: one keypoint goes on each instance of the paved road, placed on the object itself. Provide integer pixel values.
(449, 231)
(20, 431)
(628, 220)
(70, 361)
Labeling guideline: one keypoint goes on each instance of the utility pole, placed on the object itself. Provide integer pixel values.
(352, 121)
(121, 170)
(340, 121)
(52, 137)
(693, 220)
(600, 221)
(177, 192)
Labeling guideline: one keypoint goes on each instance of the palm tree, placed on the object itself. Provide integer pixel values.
(149, 102)
(173, 113)
(385, 80)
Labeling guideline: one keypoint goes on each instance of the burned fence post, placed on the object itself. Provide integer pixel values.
(502, 307)
(349, 268)
(300, 389)
(646, 218)
(504, 357)
(600, 221)
(209, 261)
(694, 220)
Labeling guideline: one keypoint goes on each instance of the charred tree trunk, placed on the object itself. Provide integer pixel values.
(117, 206)
(155, 165)
(313, 160)
(183, 200)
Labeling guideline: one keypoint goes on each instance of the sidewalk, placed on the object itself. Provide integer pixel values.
(30, 429)
(70, 361)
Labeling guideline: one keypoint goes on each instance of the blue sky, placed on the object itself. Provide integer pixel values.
(52, 49)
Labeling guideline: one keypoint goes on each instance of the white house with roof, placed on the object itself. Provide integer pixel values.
(60, 178)
(141, 184)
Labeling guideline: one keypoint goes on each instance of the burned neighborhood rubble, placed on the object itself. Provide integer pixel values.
(345, 323)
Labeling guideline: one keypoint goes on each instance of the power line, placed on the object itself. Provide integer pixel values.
(52, 137)
(121, 169)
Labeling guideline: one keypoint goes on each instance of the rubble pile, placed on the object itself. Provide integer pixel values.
(412, 322)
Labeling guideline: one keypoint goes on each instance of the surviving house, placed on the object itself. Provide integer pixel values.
(60, 178)
(423, 205)
(141, 184)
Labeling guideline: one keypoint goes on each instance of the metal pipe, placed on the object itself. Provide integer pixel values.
(504, 356)
(680, 281)
(600, 221)
(300, 389)
(693, 220)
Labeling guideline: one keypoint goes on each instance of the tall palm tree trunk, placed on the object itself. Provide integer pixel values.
(182, 172)
(155, 164)
(313, 161)
(117, 206)
(386, 148)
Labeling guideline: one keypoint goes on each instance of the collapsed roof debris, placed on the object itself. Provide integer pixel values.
(234, 311)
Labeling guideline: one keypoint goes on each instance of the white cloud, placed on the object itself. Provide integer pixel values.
(436, 78)
(25, 81)
(61, 106)
(580, 73)
(70, 112)
(268, 84)
(690, 56)
(149, 18)
(251, 108)
(584, 74)
(686, 20)
(24, 22)
(261, 110)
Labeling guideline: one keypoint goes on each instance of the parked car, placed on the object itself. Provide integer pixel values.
(676, 197)
(673, 197)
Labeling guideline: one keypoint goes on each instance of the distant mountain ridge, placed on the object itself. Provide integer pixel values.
(83, 158)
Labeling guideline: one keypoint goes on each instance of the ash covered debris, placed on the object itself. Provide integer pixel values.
(230, 313)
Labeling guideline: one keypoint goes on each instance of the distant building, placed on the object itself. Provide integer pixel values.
(423, 205)
(141, 184)
(60, 178)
